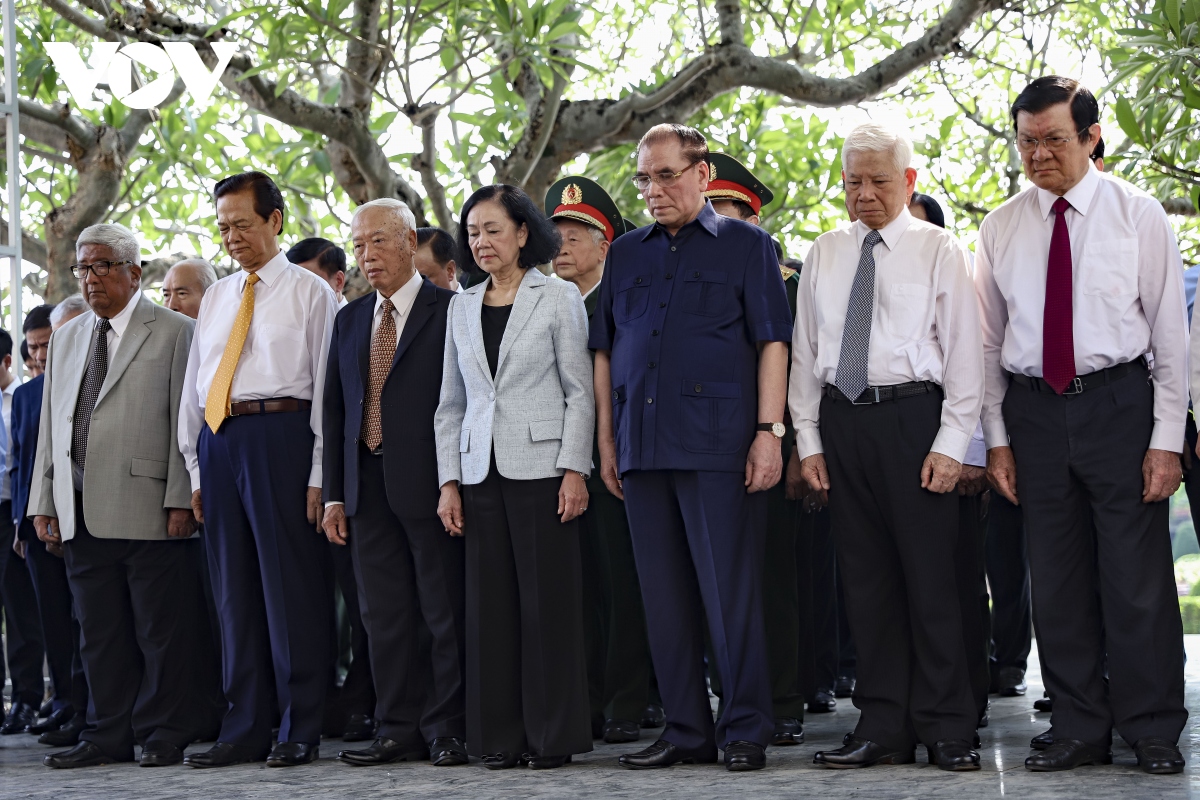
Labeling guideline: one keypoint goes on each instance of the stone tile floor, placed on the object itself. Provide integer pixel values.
(790, 771)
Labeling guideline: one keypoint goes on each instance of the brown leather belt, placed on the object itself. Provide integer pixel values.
(273, 405)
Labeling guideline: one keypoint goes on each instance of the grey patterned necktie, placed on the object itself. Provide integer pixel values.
(93, 379)
(851, 377)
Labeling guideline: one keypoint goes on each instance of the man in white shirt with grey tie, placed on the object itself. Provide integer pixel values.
(885, 391)
(1079, 280)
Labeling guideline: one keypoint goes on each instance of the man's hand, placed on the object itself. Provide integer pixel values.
(450, 509)
(816, 474)
(18, 547)
(1161, 474)
(197, 507)
(608, 468)
(47, 529)
(1002, 472)
(181, 523)
(939, 473)
(794, 487)
(972, 481)
(315, 512)
(335, 523)
(764, 463)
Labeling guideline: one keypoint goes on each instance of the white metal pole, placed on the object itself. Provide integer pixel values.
(13, 142)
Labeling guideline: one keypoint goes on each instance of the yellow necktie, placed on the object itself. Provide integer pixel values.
(216, 409)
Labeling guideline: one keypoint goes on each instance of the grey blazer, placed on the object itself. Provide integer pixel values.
(539, 412)
(135, 471)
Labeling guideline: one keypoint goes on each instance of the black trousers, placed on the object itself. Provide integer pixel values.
(781, 604)
(1100, 561)
(135, 642)
(356, 695)
(22, 623)
(60, 628)
(410, 575)
(816, 567)
(973, 594)
(896, 547)
(1008, 577)
(526, 674)
(618, 649)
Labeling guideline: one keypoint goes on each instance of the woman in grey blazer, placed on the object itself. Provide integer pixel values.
(514, 443)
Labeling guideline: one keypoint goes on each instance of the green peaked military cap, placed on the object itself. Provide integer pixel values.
(584, 201)
(728, 179)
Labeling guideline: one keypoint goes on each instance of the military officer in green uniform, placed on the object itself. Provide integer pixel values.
(735, 192)
(618, 652)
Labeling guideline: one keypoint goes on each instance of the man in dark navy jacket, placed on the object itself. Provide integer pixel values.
(381, 391)
(691, 335)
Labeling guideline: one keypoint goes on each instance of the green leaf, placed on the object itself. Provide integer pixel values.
(1196, 197)
(1173, 14)
(1127, 120)
(228, 18)
(331, 96)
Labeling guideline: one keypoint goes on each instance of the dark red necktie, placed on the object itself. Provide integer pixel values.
(1058, 342)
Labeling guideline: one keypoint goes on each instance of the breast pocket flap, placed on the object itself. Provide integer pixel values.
(464, 441)
(699, 388)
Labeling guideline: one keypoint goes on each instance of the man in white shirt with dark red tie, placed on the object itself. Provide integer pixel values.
(885, 390)
(1079, 281)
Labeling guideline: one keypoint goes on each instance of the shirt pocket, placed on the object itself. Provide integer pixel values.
(705, 292)
(1110, 269)
(632, 298)
(710, 417)
(277, 350)
(906, 310)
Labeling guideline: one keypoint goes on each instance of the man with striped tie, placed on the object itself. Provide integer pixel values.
(885, 390)
(250, 431)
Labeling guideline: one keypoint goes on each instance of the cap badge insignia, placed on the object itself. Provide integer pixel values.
(572, 195)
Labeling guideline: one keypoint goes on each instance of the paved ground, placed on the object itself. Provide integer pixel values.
(790, 771)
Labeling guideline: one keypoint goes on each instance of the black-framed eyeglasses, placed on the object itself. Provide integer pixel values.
(663, 179)
(99, 268)
(1027, 144)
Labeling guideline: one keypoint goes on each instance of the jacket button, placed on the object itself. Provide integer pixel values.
(669, 276)
(637, 280)
(651, 365)
(654, 333)
(695, 274)
(616, 395)
(672, 248)
(697, 388)
(650, 401)
(662, 305)
(491, 395)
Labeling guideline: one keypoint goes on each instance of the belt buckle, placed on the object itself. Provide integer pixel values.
(1074, 387)
(874, 389)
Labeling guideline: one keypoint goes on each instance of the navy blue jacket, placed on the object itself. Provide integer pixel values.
(26, 421)
(410, 396)
(682, 317)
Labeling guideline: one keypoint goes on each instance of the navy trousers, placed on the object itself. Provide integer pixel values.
(22, 624)
(266, 564)
(60, 628)
(699, 538)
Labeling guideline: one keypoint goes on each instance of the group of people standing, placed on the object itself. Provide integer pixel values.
(562, 508)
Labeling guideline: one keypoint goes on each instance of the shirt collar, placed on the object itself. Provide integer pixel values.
(592, 290)
(271, 270)
(890, 233)
(1079, 196)
(121, 321)
(12, 387)
(706, 219)
(403, 297)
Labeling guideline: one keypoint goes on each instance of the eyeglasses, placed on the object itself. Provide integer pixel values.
(99, 268)
(664, 179)
(1027, 144)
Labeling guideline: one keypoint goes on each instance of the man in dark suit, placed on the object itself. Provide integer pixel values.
(380, 474)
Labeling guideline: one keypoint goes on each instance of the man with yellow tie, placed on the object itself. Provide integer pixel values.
(250, 432)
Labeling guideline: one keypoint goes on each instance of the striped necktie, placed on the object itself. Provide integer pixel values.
(851, 376)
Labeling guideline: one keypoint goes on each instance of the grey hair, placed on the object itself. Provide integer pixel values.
(875, 137)
(208, 274)
(401, 208)
(115, 236)
(71, 306)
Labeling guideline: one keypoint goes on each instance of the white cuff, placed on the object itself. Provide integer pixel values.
(1168, 436)
(808, 442)
(315, 477)
(951, 443)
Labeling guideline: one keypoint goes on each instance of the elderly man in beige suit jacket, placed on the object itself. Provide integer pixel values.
(111, 490)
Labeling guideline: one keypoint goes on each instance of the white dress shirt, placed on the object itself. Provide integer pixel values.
(342, 302)
(6, 413)
(924, 325)
(1126, 293)
(285, 353)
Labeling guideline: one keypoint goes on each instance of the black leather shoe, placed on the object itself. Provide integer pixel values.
(1042, 740)
(597, 727)
(1067, 754)
(360, 728)
(788, 731)
(84, 754)
(47, 708)
(503, 760)
(1043, 704)
(67, 735)
(663, 754)
(1010, 682)
(844, 685)
(743, 756)
(822, 702)
(383, 751)
(20, 717)
(447, 751)
(859, 753)
(621, 731)
(954, 755)
(52, 722)
(293, 754)
(1158, 756)
(223, 754)
(160, 754)
(546, 762)
(654, 716)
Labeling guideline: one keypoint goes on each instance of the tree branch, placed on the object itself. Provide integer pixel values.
(33, 249)
(60, 117)
(729, 18)
(85, 23)
(426, 165)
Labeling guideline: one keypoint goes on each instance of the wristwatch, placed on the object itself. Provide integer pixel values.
(776, 429)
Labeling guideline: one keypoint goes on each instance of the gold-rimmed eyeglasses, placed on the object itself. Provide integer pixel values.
(664, 179)
(1027, 144)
